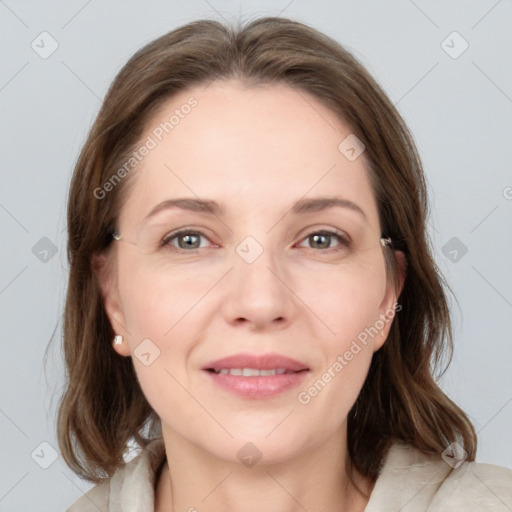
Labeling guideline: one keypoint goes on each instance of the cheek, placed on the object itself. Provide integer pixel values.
(155, 303)
(161, 311)
(348, 304)
(346, 299)
(350, 309)
(158, 311)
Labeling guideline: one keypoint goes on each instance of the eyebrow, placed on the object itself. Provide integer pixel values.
(302, 206)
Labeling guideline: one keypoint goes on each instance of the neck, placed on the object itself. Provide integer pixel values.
(313, 480)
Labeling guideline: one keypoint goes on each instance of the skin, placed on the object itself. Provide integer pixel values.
(256, 151)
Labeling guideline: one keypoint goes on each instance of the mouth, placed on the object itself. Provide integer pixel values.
(253, 372)
(256, 376)
(254, 365)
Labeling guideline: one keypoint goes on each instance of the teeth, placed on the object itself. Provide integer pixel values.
(251, 372)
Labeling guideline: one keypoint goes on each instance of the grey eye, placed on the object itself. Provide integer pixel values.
(187, 240)
(322, 240)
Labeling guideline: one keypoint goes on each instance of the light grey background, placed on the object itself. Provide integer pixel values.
(460, 113)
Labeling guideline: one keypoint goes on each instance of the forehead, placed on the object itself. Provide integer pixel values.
(254, 150)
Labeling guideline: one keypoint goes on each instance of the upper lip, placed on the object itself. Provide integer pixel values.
(256, 361)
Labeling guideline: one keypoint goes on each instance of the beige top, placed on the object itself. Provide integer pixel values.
(409, 481)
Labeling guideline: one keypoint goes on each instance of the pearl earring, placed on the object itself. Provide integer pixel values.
(118, 340)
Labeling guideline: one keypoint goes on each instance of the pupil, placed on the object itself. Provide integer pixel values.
(188, 240)
(316, 238)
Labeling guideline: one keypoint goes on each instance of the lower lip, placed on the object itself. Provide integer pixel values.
(258, 387)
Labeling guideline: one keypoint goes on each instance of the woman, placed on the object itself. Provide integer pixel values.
(252, 299)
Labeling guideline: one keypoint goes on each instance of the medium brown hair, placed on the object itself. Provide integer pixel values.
(103, 407)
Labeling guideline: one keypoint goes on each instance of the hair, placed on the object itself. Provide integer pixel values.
(103, 408)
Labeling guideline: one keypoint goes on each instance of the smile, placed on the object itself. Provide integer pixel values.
(251, 372)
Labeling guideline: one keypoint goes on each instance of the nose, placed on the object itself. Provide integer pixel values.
(259, 293)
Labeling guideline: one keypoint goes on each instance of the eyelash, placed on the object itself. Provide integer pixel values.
(344, 241)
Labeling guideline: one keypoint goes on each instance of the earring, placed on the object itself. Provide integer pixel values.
(385, 241)
(382, 333)
(118, 340)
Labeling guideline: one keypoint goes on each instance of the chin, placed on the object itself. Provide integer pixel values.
(258, 452)
(252, 446)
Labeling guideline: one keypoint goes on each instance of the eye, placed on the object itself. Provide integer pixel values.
(186, 239)
(190, 240)
(322, 240)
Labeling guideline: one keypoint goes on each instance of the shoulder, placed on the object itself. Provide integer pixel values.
(131, 489)
(96, 499)
(411, 481)
(483, 486)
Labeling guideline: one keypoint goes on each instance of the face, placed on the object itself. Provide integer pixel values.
(270, 273)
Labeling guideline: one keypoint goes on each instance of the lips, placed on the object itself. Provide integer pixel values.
(256, 362)
(251, 376)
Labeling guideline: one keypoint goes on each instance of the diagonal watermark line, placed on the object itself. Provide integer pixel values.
(492, 211)
(215, 488)
(432, 226)
(165, 165)
(119, 323)
(212, 80)
(493, 287)
(424, 14)
(286, 491)
(296, 89)
(75, 15)
(13, 423)
(199, 403)
(416, 494)
(492, 81)
(420, 80)
(14, 76)
(286, 7)
(490, 490)
(503, 407)
(286, 417)
(198, 301)
(12, 280)
(13, 13)
(83, 493)
(13, 217)
(311, 188)
(216, 11)
(81, 80)
(14, 486)
(334, 334)
(485, 15)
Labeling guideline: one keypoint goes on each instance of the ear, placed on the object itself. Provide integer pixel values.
(388, 305)
(106, 276)
(401, 264)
